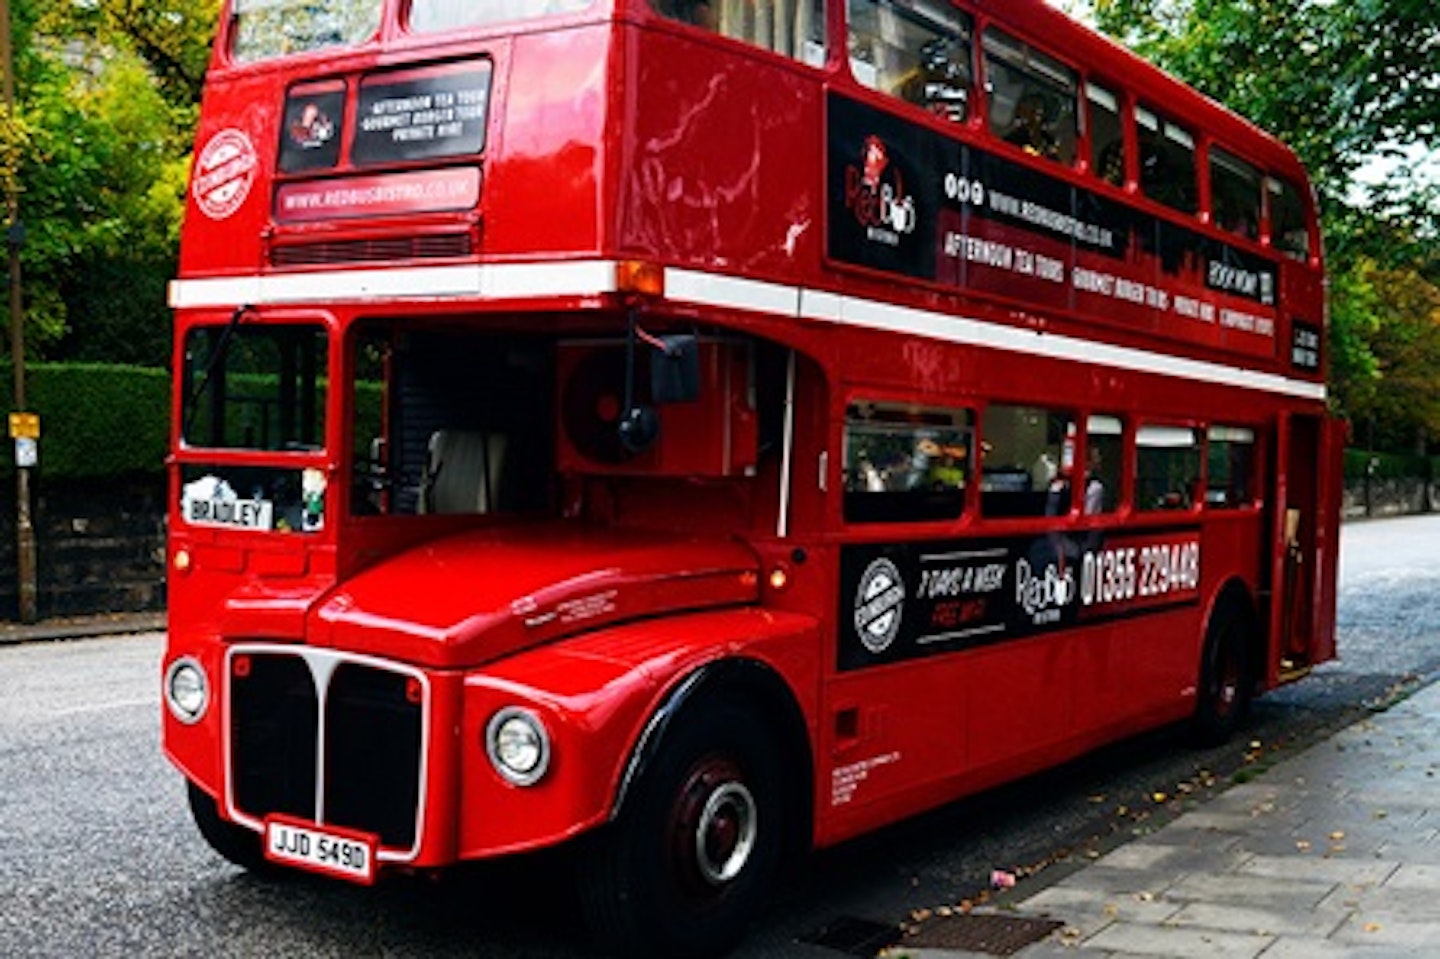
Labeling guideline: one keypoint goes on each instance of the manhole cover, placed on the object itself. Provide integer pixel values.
(990, 934)
(855, 937)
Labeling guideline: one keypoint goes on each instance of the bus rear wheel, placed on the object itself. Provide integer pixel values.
(1226, 676)
(692, 853)
(239, 845)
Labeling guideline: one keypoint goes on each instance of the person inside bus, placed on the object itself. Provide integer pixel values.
(1094, 483)
(698, 13)
(1030, 128)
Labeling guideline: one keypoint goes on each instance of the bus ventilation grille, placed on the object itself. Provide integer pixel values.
(369, 731)
(431, 247)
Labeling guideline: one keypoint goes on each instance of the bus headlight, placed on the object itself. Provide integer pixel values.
(187, 692)
(518, 745)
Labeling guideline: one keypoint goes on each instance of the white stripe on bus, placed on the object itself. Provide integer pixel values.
(597, 277)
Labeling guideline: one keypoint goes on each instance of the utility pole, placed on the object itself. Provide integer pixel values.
(24, 428)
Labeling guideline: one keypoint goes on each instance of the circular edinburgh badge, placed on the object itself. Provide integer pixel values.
(224, 173)
(879, 602)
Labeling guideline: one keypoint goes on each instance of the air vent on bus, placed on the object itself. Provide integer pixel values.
(432, 246)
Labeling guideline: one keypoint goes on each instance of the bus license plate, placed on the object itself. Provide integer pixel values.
(346, 856)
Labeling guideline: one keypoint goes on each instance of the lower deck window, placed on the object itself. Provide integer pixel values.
(1167, 467)
(1027, 461)
(905, 464)
(1230, 466)
(1104, 446)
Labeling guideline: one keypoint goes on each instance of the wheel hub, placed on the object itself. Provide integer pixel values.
(714, 827)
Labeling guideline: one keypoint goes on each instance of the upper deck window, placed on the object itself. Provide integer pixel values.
(917, 51)
(1288, 232)
(276, 28)
(434, 16)
(1235, 192)
(1167, 161)
(1032, 98)
(1107, 136)
(792, 28)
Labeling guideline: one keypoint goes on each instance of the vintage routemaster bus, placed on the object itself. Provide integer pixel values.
(692, 434)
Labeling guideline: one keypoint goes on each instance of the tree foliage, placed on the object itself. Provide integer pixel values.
(106, 100)
(1344, 84)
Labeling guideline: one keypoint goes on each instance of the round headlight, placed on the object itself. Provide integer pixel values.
(186, 691)
(518, 746)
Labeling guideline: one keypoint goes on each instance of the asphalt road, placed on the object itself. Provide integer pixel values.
(98, 856)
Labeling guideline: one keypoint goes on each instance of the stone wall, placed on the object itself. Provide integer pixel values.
(100, 546)
(1390, 497)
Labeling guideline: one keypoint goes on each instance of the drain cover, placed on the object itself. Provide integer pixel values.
(990, 934)
(855, 937)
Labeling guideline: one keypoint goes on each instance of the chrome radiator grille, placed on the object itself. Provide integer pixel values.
(326, 738)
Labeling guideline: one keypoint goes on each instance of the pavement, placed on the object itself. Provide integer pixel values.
(80, 627)
(1332, 852)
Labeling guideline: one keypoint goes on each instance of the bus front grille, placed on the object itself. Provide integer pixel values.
(354, 762)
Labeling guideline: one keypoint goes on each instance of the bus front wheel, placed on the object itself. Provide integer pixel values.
(690, 856)
(1226, 676)
(239, 845)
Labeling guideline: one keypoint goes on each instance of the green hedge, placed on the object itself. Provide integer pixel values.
(1390, 465)
(96, 419)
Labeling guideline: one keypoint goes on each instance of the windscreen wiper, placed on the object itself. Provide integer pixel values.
(216, 354)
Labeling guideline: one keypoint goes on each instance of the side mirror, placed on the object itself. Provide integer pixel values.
(639, 427)
(675, 369)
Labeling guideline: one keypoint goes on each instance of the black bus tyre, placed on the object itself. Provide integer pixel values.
(239, 845)
(1226, 676)
(695, 848)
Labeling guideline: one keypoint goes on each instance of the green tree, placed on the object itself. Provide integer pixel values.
(1406, 345)
(107, 96)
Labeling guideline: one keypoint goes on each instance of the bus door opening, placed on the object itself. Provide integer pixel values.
(1298, 522)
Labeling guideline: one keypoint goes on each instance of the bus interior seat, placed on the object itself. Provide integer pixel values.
(463, 472)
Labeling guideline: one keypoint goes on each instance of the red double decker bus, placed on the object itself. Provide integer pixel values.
(711, 431)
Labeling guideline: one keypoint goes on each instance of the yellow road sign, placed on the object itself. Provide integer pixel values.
(24, 426)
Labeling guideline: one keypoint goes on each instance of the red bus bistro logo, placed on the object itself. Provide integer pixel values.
(879, 602)
(312, 129)
(875, 194)
(224, 173)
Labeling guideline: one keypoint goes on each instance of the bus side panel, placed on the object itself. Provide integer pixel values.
(227, 208)
(704, 119)
(542, 192)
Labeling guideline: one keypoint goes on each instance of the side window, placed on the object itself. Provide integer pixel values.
(904, 464)
(1288, 232)
(1167, 161)
(1230, 462)
(1032, 98)
(1235, 194)
(1104, 446)
(1167, 467)
(794, 28)
(1107, 137)
(917, 51)
(1027, 461)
